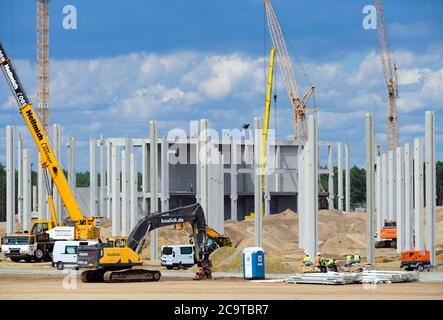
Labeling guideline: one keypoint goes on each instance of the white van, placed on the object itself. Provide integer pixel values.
(65, 253)
(178, 256)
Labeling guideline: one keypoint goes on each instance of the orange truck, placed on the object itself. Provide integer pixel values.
(415, 260)
(388, 235)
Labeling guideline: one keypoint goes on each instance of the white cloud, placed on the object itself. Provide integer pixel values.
(117, 96)
(412, 128)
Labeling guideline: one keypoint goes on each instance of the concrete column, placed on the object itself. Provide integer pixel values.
(370, 187)
(145, 178)
(340, 176)
(27, 189)
(312, 187)
(154, 184)
(378, 196)
(391, 185)
(267, 196)
(72, 171)
(116, 213)
(42, 192)
(409, 198)
(330, 178)
(19, 178)
(301, 196)
(384, 189)
(109, 180)
(57, 144)
(347, 180)
(198, 182)
(418, 193)
(203, 164)
(10, 181)
(165, 175)
(278, 166)
(234, 175)
(400, 186)
(133, 192)
(102, 196)
(267, 192)
(93, 177)
(258, 194)
(126, 167)
(430, 184)
(34, 198)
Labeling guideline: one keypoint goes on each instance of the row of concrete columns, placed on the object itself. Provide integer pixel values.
(399, 188)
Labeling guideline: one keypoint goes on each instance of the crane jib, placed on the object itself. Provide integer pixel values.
(13, 80)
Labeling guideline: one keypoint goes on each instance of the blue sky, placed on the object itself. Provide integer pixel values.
(177, 61)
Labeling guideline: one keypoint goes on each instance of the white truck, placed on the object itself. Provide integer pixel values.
(36, 245)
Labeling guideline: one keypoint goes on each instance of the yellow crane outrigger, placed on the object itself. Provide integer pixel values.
(84, 227)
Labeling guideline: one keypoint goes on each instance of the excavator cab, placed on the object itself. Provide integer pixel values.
(388, 235)
(117, 242)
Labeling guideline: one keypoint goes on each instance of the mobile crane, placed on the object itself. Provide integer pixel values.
(113, 260)
(84, 227)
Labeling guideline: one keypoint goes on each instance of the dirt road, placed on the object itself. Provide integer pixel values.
(51, 287)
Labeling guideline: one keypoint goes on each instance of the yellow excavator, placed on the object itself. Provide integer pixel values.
(83, 227)
(115, 259)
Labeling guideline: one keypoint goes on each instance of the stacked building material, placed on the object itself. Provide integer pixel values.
(334, 278)
(379, 276)
(367, 276)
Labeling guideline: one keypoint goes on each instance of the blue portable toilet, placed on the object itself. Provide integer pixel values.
(253, 263)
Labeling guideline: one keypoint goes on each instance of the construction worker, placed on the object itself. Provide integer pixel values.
(331, 265)
(307, 260)
(317, 259)
(356, 258)
(349, 260)
(322, 265)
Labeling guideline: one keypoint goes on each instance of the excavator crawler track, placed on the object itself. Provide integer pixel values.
(132, 275)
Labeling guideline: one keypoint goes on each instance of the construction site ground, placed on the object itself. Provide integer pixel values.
(44, 286)
(340, 234)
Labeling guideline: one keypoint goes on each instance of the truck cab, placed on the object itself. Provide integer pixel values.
(19, 246)
(34, 245)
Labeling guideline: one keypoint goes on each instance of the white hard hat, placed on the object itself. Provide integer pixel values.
(318, 253)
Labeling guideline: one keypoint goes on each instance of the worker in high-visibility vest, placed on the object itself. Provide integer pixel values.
(331, 265)
(349, 260)
(357, 258)
(307, 260)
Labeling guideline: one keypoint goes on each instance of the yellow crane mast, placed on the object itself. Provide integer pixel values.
(298, 103)
(267, 114)
(390, 73)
